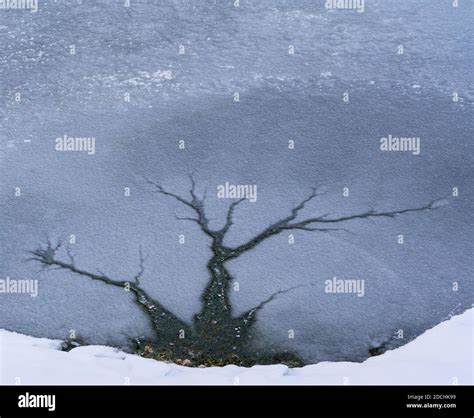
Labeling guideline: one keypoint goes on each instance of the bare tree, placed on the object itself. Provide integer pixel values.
(215, 332)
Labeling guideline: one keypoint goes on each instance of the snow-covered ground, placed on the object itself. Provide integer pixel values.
(442, 355)
(299, 97)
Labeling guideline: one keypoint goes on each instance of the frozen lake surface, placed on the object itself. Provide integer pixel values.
(99, 69)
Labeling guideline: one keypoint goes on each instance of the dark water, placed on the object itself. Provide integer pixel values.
(173, 97)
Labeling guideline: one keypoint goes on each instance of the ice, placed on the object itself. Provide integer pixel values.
(440, 356)
(283, 97)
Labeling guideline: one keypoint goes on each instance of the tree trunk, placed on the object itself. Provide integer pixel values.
(169, 329)
(215, 326)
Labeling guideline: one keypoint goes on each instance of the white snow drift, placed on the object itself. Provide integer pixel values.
(442, 355)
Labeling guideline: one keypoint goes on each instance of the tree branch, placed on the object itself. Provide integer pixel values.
(141, 265)
(154, 309)
(250, 315)
(195, 203)
(434, 204)
(46, 256)
(308, 224)
(230, 217)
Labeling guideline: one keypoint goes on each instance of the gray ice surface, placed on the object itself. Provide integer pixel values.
(283, 97)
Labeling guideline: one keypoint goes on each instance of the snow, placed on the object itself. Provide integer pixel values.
(299, 97)
(442, 355)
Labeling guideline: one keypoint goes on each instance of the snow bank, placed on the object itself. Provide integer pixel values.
(442, 355)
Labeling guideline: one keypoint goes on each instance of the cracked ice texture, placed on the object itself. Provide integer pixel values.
(282, 97)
